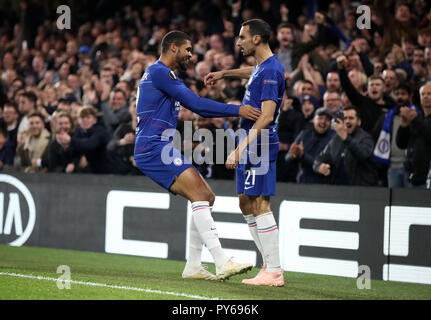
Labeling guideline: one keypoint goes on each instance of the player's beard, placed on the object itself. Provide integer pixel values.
(182, 62)
(248, 53)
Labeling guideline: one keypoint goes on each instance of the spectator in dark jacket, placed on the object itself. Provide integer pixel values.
(308, 144)
(388, 156)
(347, 159)
(6, 152)
(371, 106)
(61, 156)
(90, 140)
(121, 148)
(414, 134)
(10, 122)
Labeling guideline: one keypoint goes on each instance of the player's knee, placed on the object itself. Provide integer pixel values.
(207, 195)
(211, 198)
(244, 205)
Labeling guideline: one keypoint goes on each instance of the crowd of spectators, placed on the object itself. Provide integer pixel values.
(356, 110)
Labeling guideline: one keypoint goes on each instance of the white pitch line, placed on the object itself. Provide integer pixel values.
(98, 284)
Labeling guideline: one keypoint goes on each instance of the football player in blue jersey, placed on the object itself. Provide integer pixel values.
(265, 89)
(160, 94)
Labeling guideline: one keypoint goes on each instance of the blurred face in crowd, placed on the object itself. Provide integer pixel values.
(333, 81)
(36, 125)
(402, 97)
(201, 70)
(25, 105)
(306, 89)
(137, 70)
(307, 108)
(8, 61)
(321, 123)
(50, 94)
(17, 84)
(38, 63)
(228, 62)
(72, 48)
(418, 56)
(10, 116)
(184, 54)
(408, 48)
(285, 37)
(64, 71)
(332, 101)
(351, 121)
(375, 89)
(424, 39)
(216, 42)
(64, 124)
(363, 45)
(73, 81)
(87, 122)
(123, 86)
(106, 75)
(391, 80)
(425, 95)
(118, 100)
(64, 106)
(427, 56)
(402, 14)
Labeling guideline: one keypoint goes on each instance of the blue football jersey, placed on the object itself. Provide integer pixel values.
(160, 94)
(266, 83)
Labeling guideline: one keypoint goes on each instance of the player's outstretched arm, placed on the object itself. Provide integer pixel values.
(266, 117)
(242, 73)
(167, 82)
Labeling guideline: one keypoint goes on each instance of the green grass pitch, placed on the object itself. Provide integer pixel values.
(115, 277)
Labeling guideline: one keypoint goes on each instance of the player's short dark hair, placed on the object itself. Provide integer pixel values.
(176, 37)
(258, 27)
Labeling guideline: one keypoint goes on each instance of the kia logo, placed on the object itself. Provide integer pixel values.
(14, 212)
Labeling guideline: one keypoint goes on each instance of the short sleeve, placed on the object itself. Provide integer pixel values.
(270, 84)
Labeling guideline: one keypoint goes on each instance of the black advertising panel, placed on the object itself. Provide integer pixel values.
(342, 231)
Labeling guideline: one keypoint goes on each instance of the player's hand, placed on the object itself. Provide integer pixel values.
(233, 160)
(212, 77)
(248, 112)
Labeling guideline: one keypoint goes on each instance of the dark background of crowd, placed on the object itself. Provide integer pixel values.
(68, 97)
